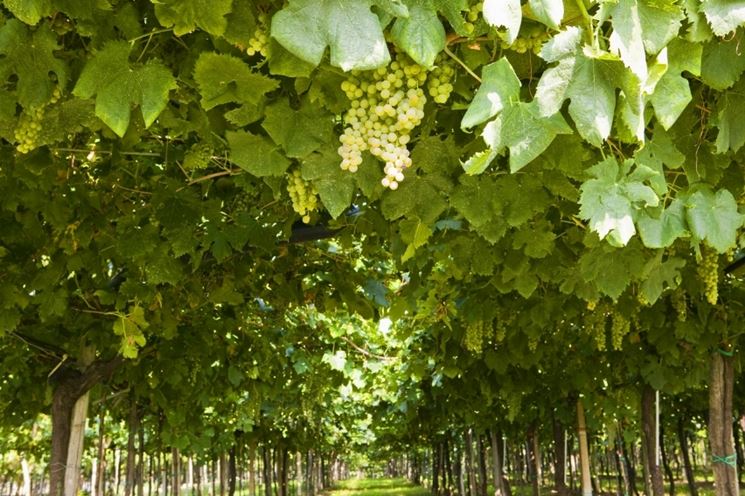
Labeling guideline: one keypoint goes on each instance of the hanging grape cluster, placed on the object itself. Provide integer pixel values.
(29, 124)
(303, 194)
(440, 80)
(259, 42)
(532, 39)
(595, 323)
(708, 272)
(386, 105)
(501, 322)
(198, 156)
(473, 15)
(474, 338)
(620, 327)
(680, 304)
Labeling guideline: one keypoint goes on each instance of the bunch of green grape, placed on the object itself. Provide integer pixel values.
(595, 322)
(500, 330)
(259, 42)
(680, 304)
(386, 104)
(440, 80)
(29, 124)
(708, 272)
(620, 327)
(474, 338)
(532, 39)
(198, 156)
(533, 343)
(472, 16)
(303, 194)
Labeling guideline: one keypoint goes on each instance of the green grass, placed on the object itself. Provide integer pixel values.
(377, 487)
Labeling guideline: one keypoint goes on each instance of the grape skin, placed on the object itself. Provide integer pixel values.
(30, 122)
(303, 194)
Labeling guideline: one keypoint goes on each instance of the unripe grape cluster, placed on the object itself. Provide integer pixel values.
(680, 304)
(708, 272)
(440, 80)
(595, 322)
(29, 124)
(472, 16)
(620, 327)
(474, 338)
(303, 194)
(198, 156)
(259, 42)
(533, 39)
(386, 105)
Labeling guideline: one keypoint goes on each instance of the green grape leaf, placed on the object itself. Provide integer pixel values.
(724, 16)
(610, 201)
(298, 132)
(415, 234)
(722, 63)
(452, 11)
(662, 231)
(673, 93)
(226, 79)
(660, 22)
(256, 155)
(504, 13)
(350, 30)
(421, 35)
(118, 85)
(729, 119)
(416, 196)
(478, 162)
(335, 188)
(549, 12)
(29, 11)
(610, 269)
(499, 86)
(562, 44)
(525, 132)
(713, 217)
(235, 376)
(659, 275)
(627, 37)
(29, 56)
(184, 16)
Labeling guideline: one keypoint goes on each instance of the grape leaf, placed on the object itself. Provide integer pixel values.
(504, 13)
(421, 35)
(256, 155)
(729, 119)
(298, 132)
(415, 234)
(713, 217)
(29, 11)
(118, 85)
(549, 12)
(350, 30)
(659, 275)
(722, 64)
(499, 85)
(660, 22)
(184, 16)
(724, 16)
(336, 191)
(30, 57)
(562, 44)
(526, 133)
(226, 79)
(662, 231)
(611, 200)
(610, 269)
(627, 38)
(673, 93)
(479, 161)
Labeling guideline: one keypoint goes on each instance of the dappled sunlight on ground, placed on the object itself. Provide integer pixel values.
(377, 487)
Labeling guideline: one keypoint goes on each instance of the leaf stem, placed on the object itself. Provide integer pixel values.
(150, 34)
(587, 18)
(468, 69)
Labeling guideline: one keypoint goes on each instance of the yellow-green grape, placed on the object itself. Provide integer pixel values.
(532, 343)
(439, 81)
(708, 272)
(472, 16)
(29, 124)
(303, 194)
(531, 39)
(386, 104)
(474, 338)
(198, 156)
(620, 327)
(500, 330)
(259, 42)
(592, 304)
(680, 304)
(595, 326)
